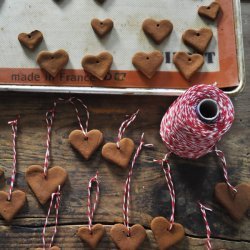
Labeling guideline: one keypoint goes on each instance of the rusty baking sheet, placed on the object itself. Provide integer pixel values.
(66, 25)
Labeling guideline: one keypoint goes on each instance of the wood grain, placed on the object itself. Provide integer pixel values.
(194, 180)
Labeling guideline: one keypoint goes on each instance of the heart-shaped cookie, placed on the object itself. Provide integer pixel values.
(53, 62)
(51, 248)
(198, 39)
(98, 65)
(44, 187)
(148, 63)
(87, 144)
(164, 237)
(120, 156)
(187, 64)
(157, 30)
(94, 237)
(102, 27)
(236, 204)
(31, 40)
(8, 209)
(211, 11)
(119, 234)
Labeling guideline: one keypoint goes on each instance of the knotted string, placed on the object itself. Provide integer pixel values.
(204, 215)
(126, 199)
(168, 177)
(91, 209)
(50, 115)
(57, 197)
(124, 126)
(14, 136)
(222, 158)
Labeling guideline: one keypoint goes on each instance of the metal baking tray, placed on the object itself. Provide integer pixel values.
(66, 25)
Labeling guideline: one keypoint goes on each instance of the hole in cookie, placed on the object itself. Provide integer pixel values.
(86, 138)
(189, 59)
(29, 36)
(197, 34)
(52, 57)
(97, 61)
(147, 58)
(158, 25)
(208, 8)
(101, 23)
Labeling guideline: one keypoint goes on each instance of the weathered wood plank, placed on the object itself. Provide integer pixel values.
(194, 180)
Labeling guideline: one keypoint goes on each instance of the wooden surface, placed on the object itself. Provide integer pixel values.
(194, 180)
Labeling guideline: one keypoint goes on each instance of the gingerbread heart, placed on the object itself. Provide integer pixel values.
(198, 39)
(31, 40)
(102, 27)
(98, 65)
(148, 63)
(157, 30)
(187, 64)
(87, 144)
(119, 234)
(8, 209)
(236, 204)
(44, 187)
(51, 248)
(211, 11)
(53, 62)
(120, 156)
(94, 237)
(164, 237)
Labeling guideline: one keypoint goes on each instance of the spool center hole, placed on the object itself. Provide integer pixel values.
(208, 109)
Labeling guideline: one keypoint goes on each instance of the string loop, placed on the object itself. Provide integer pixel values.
(91, 209)
(57, 197)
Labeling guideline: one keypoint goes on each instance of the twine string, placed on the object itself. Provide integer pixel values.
(167, 172)
(57, 198)
(91, 209)
(50, 115)
(124, 126)
(13, 175)
(204, 215)
(222, 158)
(127, 187)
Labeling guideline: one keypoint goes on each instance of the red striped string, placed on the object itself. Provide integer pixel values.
(204, 215)
(57, 197)
(168, 177)
(127, 187)
(222, 158)
(91, 209)
(124, 126)
(50, 115)
(13, 176)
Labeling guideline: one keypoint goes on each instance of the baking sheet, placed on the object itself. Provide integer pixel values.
(66, 25)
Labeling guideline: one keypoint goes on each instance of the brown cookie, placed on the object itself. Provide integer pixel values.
(44, 187)
(51, 248)
(53, 62)
(94, 237)
(102, 27)
(198, 39)
(211, 11)
(98, 65)
(148, 63)
(157, 30)
(187, 64)
(1, 173)
(31, 40)
(8, 209)
(236, 204)
(119, 234)
(164, 237)
(119, 156)
(86, 145)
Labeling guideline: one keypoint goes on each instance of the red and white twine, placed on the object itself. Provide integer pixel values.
(57, 197)
(184, 133)
(50, 115)
(204, 215)
(91, 209)
(127, 187)
(168, 177)
(14, 136)
(124, 126)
